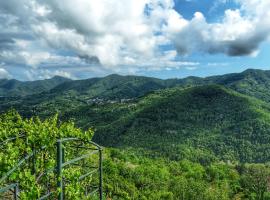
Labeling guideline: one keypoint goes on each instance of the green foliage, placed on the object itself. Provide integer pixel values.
(256, 180)
(18, 88)
(19, 137)
(128, 174)
(173, 143)
(199, 123)
(202, 123)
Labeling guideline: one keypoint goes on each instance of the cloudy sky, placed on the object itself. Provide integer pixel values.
(162, 38)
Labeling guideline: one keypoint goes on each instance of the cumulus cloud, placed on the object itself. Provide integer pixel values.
(4, 74)
(121, 36)
(240, 32)
(106, 34)
(110, 30)
(46, 74)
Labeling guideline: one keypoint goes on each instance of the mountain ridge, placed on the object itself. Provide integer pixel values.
(169, 120)
(227, 115)
(13, 87)
(138, 85)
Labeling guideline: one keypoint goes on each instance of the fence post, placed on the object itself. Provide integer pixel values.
(16, 191)
(100, 174)
(59, 158)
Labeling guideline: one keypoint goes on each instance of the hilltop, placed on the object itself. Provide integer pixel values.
(226, 116)
(23, 88)
(204, 119)
(251, 82)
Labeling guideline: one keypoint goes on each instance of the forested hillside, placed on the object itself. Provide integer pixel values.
(18, 88)
(252, 82)
(128, 174)
(198, 123)
(192, 118)
(187, 139)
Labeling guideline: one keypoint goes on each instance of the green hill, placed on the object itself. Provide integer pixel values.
(127, 174)
(175, 117)
(172, 138)
(112, 86)
(251, 82)
(19, 88)
(206, 119)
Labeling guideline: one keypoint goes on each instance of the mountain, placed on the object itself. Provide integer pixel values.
(19, 88)
(112, 87)
(251, 82)
(205, 120)
(46, 99)
(225, 116)
(194, 138)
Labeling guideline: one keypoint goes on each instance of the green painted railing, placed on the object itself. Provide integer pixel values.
(61, 164)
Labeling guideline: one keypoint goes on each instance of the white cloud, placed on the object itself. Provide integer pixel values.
(220, 64)
(122, 36)
(4, 74)
(46, 74)
(239, 33)
(117, 32)
(109, 30)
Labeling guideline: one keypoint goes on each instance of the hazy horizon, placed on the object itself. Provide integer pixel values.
(135, 75)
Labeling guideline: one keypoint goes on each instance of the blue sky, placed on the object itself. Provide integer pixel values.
(159, 38)
(214, 64)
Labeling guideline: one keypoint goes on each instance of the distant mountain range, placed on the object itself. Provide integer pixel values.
(251, 82)
(227, 117)
(19, 88)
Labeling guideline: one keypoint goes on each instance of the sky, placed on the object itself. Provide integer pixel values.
(81, 39)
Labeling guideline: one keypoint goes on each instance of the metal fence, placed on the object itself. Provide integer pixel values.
(12, 190)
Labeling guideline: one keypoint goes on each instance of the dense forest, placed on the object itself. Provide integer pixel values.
(192, 138)
(130, 173)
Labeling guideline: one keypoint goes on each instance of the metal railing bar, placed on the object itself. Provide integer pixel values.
(87, 174)
(95, 144)
(10, 139)
(83, 147)
(95, 149)
(46, 196)
(6, 188)
(19, 164)
(79, 158)
(94, 191)
(77, 139)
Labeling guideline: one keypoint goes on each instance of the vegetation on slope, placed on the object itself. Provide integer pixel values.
(20, 137)
(129, 174)
(42, 97)
(158, 131)
(206, 120)
(255, 83)
(18, 88)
